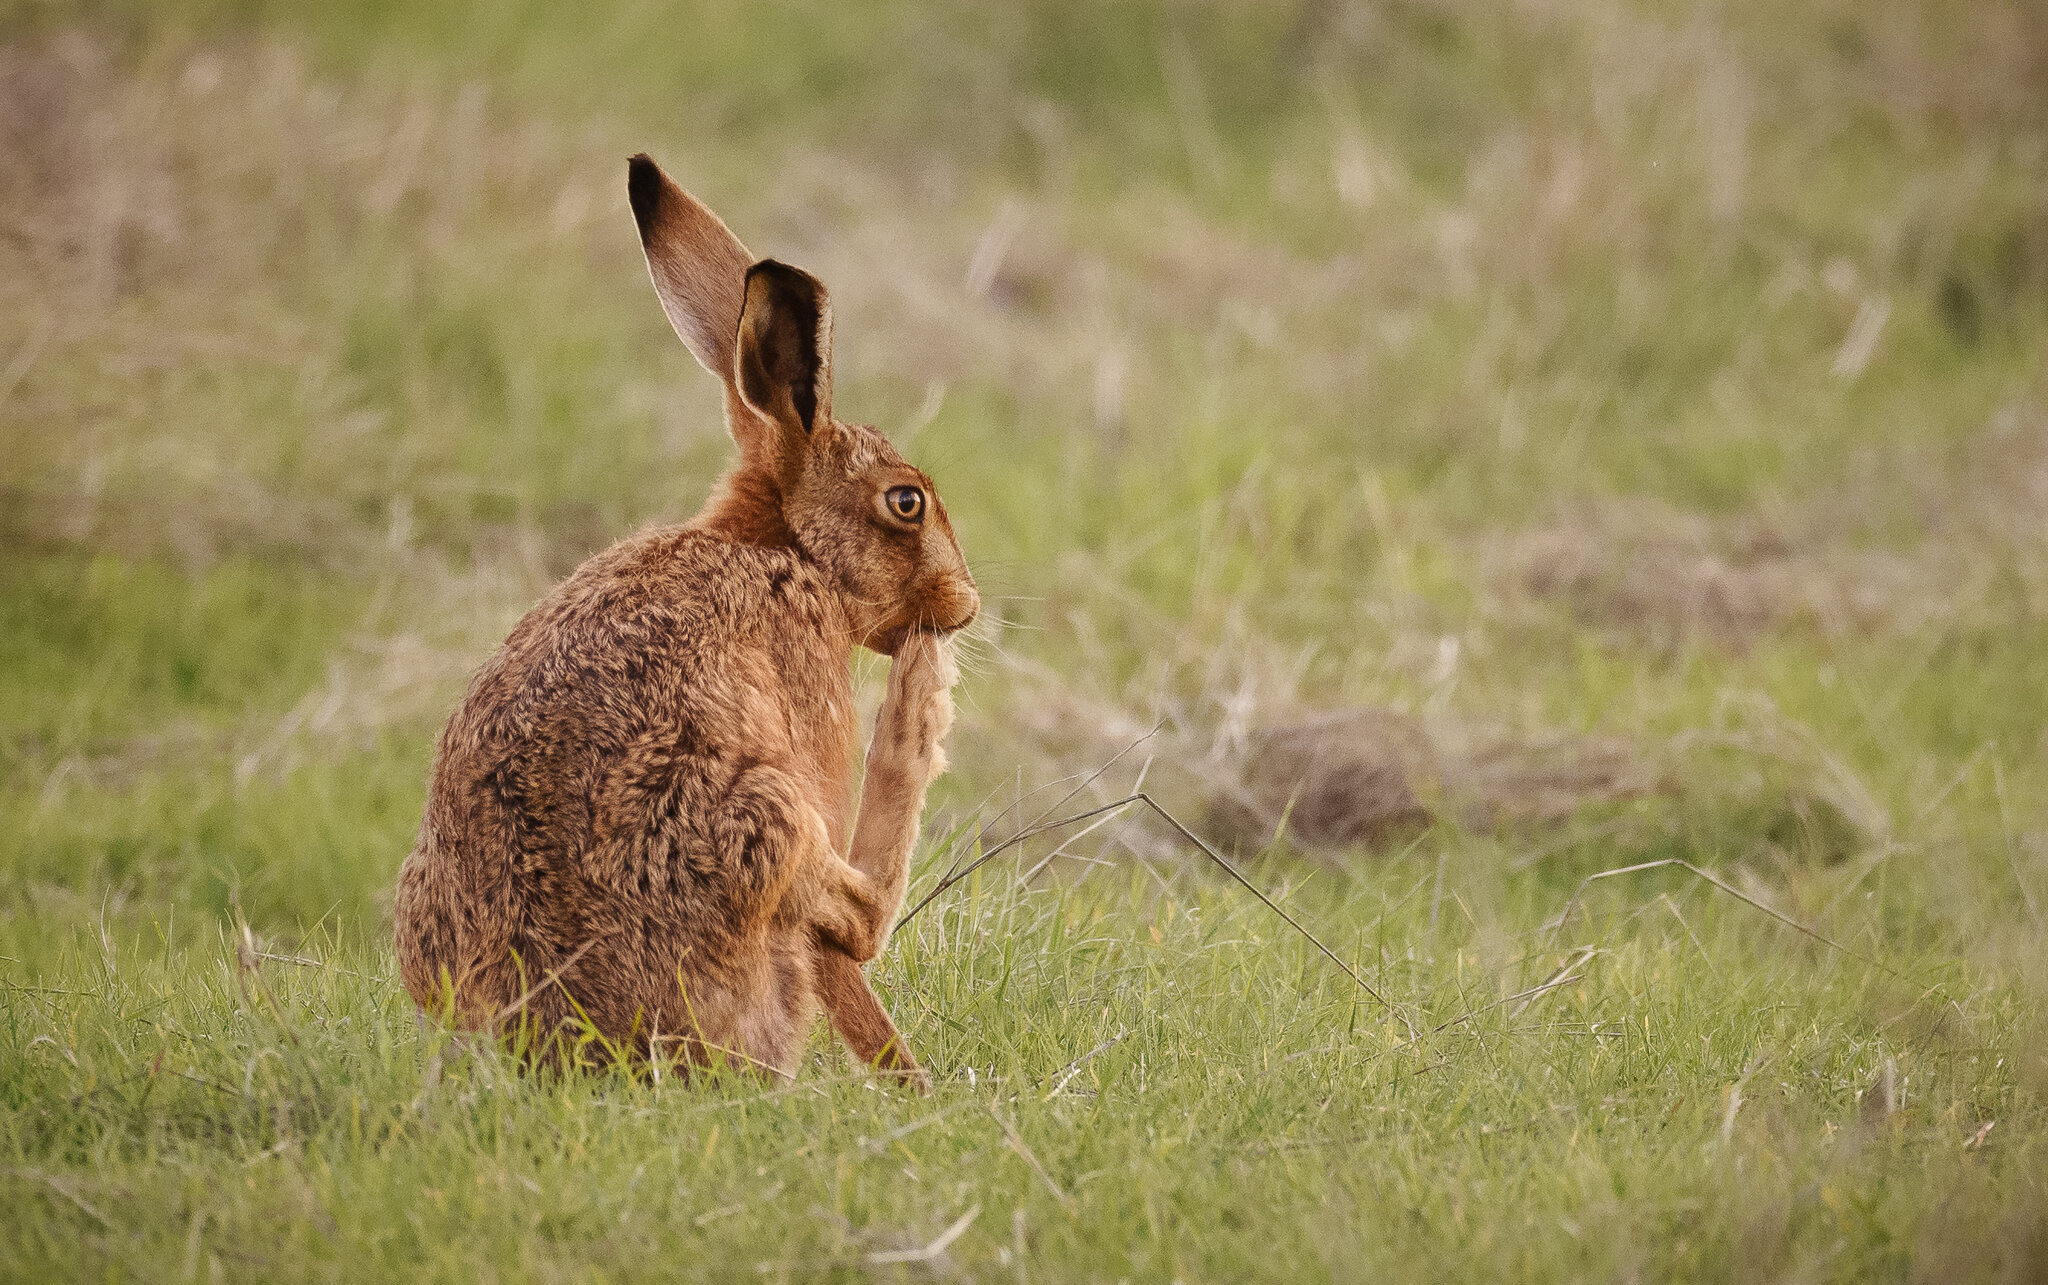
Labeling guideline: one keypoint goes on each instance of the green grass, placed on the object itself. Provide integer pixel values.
(1497, 366)
(1252, 1114)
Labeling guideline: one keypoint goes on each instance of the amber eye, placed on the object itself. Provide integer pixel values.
(906, 503)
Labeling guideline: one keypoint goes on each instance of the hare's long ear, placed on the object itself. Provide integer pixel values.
(784, 361)
(699, 267)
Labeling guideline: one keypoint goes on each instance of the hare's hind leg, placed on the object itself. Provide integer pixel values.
(861, 1020)
(850, 920)
(844, 920)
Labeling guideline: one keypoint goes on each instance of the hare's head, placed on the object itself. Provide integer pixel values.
(837, 492)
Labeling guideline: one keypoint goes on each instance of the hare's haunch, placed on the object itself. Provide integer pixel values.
(641, 811)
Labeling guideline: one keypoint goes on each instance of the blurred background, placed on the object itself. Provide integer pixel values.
(1570, 433)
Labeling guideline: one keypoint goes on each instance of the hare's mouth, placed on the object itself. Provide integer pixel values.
(890, 641)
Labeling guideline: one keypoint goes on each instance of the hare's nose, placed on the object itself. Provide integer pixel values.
(970, 607)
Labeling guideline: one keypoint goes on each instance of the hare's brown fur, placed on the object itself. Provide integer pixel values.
(639, 814)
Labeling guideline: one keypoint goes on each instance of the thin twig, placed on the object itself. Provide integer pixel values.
(205, 1083)
(1577, 961)
(1029, 832)
(815, 1088)
(1071, 840)
(1274, 906)
(1571, 903)
(1680, 917)
(1561, 979)
(933, 1250)
(1073, 1068)
(307, 935)
(1038, 824)
(659, 1043)
(303, 962)
(247, 971)
(925, 1254)
(1524, 996)
(1207, 851)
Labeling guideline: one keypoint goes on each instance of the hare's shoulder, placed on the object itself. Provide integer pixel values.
(698, 568)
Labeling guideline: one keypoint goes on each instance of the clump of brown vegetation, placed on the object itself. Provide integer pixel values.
(1331, 780)
(1370, 778)
(1339, 782)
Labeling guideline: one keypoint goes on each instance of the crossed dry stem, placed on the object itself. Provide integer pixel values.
(1213, 855)
(1564, 976)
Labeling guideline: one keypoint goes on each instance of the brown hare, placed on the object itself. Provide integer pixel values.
(639, 814)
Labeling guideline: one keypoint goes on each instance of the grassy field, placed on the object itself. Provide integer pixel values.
(1628, 422)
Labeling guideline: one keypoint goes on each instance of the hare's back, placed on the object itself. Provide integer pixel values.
(669, 627)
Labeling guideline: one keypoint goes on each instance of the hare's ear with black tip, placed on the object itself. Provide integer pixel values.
(784, 357)
(699, 267)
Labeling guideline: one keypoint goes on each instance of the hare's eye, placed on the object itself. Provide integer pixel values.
(906, 502)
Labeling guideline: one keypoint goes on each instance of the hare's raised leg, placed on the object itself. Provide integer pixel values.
(857, 898)
(907, 752)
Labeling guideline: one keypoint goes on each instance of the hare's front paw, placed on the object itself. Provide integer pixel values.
(917, 712)
(923, 668)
